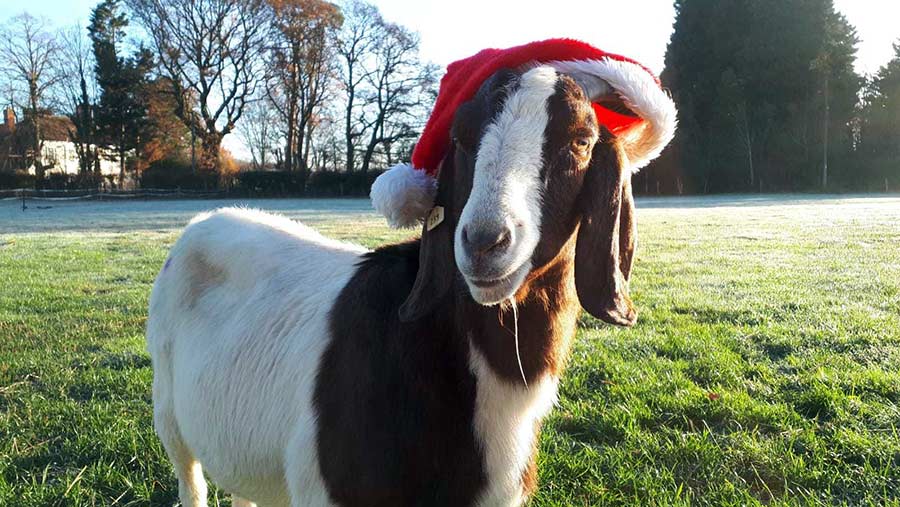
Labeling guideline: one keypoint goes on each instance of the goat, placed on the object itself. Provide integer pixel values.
(299, 370)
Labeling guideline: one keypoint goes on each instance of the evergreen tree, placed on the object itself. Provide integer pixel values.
(879, 136)
(766, 93)
(83, 134)
(121, 117)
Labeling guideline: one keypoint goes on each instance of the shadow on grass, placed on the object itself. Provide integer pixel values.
(738, 317)
(125, 361)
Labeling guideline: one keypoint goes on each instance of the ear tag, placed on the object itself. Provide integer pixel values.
(435, 217)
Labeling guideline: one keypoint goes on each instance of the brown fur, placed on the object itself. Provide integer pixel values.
(395, 397)
(203, 276)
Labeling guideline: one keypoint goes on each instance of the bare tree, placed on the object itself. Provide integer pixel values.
(397, 85)
(79, 89)
(258, 131)
(303, 65)
(29, 52)
(357, 39)
(401, 128)
(211, 51)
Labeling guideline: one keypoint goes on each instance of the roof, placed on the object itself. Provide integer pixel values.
(53, 128)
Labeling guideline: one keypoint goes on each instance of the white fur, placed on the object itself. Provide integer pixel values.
(506, 419)
(403, 195)
(235, 364)
(506, 187)
(641, 94)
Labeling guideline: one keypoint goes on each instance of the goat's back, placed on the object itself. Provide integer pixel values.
(237, 325)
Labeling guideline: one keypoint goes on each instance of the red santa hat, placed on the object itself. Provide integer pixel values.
(405, 193)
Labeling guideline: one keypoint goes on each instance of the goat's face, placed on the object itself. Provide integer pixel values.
(530, 160)
(529, 168)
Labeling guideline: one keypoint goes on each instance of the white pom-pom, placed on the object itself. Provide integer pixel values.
(404, 195)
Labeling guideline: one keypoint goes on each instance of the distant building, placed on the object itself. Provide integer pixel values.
(58, 152)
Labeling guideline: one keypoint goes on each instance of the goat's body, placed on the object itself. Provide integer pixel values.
(280, 366)
(300, 371)
(238, 323)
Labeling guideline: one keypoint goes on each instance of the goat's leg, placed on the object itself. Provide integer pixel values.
(191, 483)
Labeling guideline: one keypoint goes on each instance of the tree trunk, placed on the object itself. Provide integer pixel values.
(825, 138)
(122, 167)
(348, 124)
(299, 139)
(307, 148)
(209, 152)
(750, 158)
(288, 150)
(373, 143)
(122, 158)
(289, 140)
(367, 157)
(36, 131)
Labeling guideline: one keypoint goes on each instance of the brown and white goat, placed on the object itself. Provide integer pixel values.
(303, 371)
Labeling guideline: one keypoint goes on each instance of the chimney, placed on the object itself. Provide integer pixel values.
(9, 117)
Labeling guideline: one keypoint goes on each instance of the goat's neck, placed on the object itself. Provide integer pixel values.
(547, 310)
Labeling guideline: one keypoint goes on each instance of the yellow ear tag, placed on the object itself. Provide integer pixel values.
(435, 217)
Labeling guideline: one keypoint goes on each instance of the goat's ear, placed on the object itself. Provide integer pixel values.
(437, 267)
(606, 238)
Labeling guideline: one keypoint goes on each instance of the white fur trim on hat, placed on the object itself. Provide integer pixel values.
(641, 94)
(403, 195)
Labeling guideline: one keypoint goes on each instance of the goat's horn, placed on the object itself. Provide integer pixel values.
(595, 88)
(628, 88)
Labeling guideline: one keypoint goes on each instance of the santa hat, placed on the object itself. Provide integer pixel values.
(405, 193)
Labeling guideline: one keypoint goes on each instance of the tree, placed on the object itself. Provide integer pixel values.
(397, 84)
(834, 66)
(121, 113)
(303, 63)
(29, 52)
(212, 53)
(258, 131)
(165, 136)
(80, 90)
(750, 78)
(879, 138)
(357, 39)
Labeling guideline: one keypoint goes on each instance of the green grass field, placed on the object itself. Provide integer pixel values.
(764, 368)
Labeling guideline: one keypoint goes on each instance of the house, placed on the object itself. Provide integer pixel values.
(58, 153)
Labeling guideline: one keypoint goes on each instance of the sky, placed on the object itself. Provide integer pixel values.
(455, 29)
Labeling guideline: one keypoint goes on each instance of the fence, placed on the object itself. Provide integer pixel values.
(30, 194)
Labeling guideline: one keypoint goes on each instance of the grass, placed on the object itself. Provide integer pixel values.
(764, 368)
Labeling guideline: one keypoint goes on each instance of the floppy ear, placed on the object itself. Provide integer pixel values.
(606, 237)
(437, 267)
(627, 228)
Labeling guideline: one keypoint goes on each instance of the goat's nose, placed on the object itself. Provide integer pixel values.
(480, 241)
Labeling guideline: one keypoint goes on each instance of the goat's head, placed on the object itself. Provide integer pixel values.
(529, 172)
